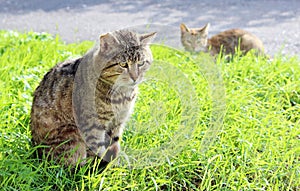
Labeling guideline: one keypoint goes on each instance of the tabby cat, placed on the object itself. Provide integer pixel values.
(70, 135)
(226, 42)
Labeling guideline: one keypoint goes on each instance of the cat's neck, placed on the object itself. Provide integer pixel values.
(209, 46)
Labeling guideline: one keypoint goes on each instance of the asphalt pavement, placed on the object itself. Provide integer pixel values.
(276, 22)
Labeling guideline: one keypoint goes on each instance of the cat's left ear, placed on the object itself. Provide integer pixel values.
(147, 38)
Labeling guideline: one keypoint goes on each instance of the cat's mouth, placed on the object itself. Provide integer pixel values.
(135, 83)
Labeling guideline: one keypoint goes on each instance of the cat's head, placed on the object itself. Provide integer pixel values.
(194, 39)
(128, 57)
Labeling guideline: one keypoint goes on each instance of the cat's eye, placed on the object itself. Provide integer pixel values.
(141, 63)
(123, 64)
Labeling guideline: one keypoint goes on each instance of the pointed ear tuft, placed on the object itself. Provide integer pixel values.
(147, 38)
(107, 42)
(205, 29)
(184, 28)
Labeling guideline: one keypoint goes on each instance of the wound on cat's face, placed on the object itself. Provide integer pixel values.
(195, 39)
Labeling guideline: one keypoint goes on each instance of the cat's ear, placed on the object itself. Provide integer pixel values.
(107, 42)
(205, 29)
(184, 28)
(147, 38)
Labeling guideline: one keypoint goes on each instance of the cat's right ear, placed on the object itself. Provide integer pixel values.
(107, 42)
(205, 29)
(183, 28)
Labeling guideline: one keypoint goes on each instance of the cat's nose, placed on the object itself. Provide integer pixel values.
(133, 73)
(134, 79)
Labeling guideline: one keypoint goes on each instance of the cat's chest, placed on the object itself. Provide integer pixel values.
(122, 105)
(115, 108)
(120, 113)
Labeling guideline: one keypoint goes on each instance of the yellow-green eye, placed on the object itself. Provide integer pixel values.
(143, 63)
(123, 64)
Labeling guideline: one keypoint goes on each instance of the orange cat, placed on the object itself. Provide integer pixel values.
(226, 42)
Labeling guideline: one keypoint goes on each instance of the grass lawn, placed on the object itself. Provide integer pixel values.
(181, 136)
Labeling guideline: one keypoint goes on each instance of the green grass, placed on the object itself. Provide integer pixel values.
(257, 148)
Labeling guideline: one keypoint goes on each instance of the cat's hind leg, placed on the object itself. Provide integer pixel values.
(64, 145)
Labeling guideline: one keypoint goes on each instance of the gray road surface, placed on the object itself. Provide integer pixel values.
(276, 22)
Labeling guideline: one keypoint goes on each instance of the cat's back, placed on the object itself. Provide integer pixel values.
(227, 37)
(230, 33)
(56, 83)
(52, 99)
(230, 39)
